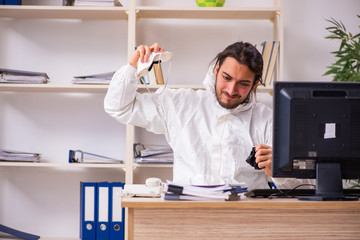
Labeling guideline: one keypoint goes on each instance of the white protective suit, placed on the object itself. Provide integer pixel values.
(210, 143)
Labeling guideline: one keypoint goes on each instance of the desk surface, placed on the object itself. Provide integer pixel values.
(248, 218)
(246, 203)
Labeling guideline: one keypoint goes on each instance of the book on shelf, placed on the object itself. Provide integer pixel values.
(18, 156)
(155, 75)
(269, 53)
(223, 192)
(21, 76)
(272, 64)
(90, 3)
(153, 153)
(78, 156)
(158, 73)
(100, 78)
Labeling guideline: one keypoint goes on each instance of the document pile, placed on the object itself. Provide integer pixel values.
(101, 214)
(204, 193)
(153, 153)
(78, 156)
(101, 78)
(19, 76)
(16, 156)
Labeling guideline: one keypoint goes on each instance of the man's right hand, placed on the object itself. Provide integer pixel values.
(143, 53)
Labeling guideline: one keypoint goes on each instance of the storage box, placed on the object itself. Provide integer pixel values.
(210, 3)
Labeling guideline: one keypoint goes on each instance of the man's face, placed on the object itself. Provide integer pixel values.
(234, 82)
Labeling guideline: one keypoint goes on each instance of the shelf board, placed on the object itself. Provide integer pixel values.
(143, 88)
(74, 88)
(61, 165)
(77, 88)
(63, 12)
(120, 13)
(92, 88)
(207, 13)
(263, 89)
(151, 165)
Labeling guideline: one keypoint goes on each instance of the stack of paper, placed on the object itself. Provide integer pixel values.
(204, 193)
(19, 156)
(153, 153)
(19, 76)
(101, 78)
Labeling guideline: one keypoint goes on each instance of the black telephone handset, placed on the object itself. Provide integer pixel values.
(251, 159)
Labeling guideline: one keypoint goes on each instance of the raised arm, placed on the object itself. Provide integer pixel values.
(125, 104)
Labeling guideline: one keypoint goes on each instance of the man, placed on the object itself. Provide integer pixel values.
(211, 131)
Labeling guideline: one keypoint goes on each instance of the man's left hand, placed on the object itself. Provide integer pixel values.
(263, 157)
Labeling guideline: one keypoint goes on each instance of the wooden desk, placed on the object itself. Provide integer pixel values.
(245, 219)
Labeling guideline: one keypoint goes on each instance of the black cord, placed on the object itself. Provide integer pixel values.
(288, 194)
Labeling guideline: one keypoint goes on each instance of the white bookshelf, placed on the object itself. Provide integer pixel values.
(131, 15)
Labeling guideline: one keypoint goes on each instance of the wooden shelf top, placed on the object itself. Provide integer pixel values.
(61, 165)
(121, 13)
(63, 12)
(90, 88)
(206, 13)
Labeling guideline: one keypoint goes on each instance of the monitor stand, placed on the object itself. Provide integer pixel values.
(329, 184)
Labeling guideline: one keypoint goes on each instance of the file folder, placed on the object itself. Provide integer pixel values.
(16, 233)
(117, 213)
(79, 156)
(13, 2)
(102, 225)
(21, 76)
(88, 208)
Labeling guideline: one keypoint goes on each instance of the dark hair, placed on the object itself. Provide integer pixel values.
(244, 53)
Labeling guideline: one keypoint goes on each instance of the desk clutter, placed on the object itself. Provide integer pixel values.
(102, 214)
(224, 192)
(171, 191)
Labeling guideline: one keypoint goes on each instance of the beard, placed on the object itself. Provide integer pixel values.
(234, 104)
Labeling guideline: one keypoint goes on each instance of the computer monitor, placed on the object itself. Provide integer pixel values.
(316, 134)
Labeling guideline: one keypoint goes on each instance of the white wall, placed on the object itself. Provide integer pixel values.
(43, 122)
(307, 52)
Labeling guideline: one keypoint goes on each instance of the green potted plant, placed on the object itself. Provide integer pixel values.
(347, 65)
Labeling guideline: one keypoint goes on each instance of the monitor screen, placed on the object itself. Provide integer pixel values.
(316, 134)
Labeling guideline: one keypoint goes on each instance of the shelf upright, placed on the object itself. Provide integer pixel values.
(130, 129)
